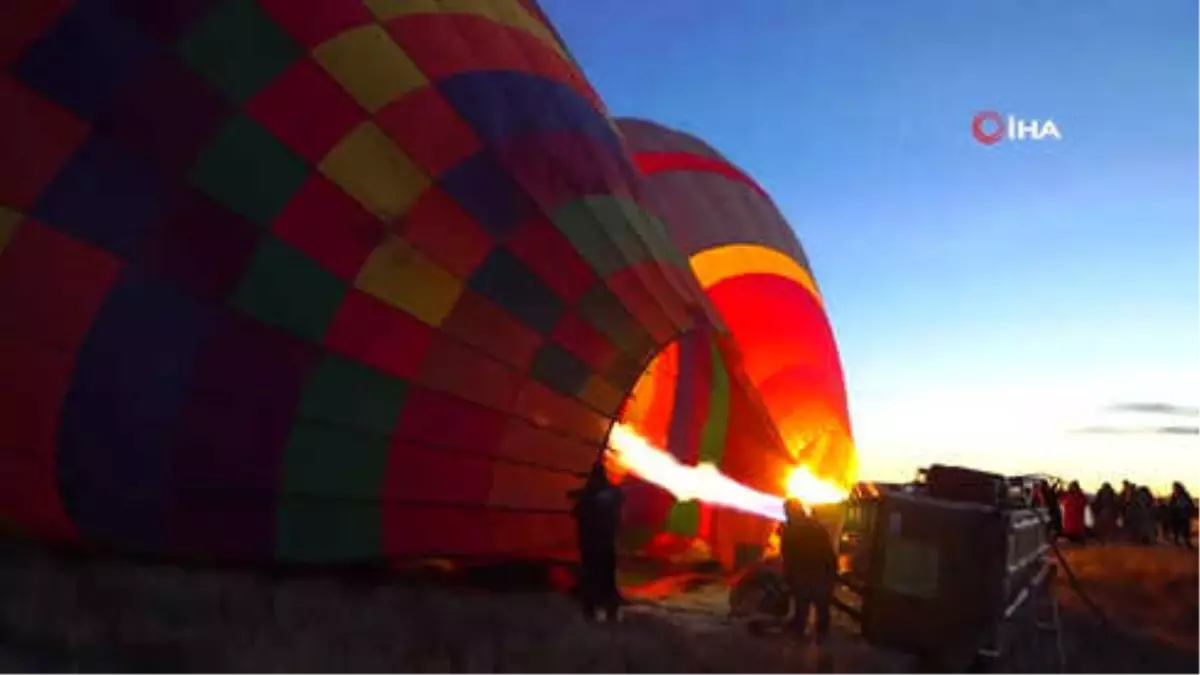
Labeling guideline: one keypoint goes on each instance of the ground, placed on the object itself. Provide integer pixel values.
(66, 613)
(1148, 598)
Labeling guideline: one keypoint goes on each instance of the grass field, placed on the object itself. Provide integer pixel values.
(62, 613)
(1151, 593)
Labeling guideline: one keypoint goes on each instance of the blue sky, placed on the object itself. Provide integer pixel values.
(988, 301)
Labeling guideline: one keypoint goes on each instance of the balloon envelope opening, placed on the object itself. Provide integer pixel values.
(705, 471)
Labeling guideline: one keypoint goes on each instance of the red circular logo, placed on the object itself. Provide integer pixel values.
(983, 136)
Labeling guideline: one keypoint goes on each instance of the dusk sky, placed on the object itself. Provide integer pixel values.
(998, 307)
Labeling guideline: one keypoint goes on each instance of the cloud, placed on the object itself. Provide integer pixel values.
(1156, 408)
(1146, 428)
(1105, 429)
(1164, 430)
(1179, 430)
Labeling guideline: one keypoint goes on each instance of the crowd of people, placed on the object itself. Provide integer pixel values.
(1131, 515)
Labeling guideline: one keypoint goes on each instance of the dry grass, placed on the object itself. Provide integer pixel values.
(1149, 589)
(60, 613)
(1149, 597)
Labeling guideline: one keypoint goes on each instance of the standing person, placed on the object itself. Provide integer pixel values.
(597, 513)
(1139, 516)
(1180, 510)
(1104, 511)
(1073, 503)
(1046, 497)
(1124, 498)
(1162, 515)
(810, 567)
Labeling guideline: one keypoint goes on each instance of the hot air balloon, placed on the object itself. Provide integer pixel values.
(309, 281)
(313, 280)
(756, 275)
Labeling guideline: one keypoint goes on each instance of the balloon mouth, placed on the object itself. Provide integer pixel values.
(685, 486)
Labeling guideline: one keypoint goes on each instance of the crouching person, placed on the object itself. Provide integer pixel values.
(810, 566)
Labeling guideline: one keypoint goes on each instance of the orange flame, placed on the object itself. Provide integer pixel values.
(808, 488)
(630, 452)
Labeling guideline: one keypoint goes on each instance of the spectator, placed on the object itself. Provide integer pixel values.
(810, 566)
(1046, 497)
(1104, 512)
(1073, 504)
(1162, 514)
(1139, 516)
(1124, 497)
(1181, 510)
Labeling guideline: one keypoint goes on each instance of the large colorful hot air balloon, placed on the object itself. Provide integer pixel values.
(322, 280)
(313, 280)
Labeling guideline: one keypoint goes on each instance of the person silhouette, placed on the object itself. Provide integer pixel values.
(1073, 503)
(810, 567)
(597, 513)
(1180, 510)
